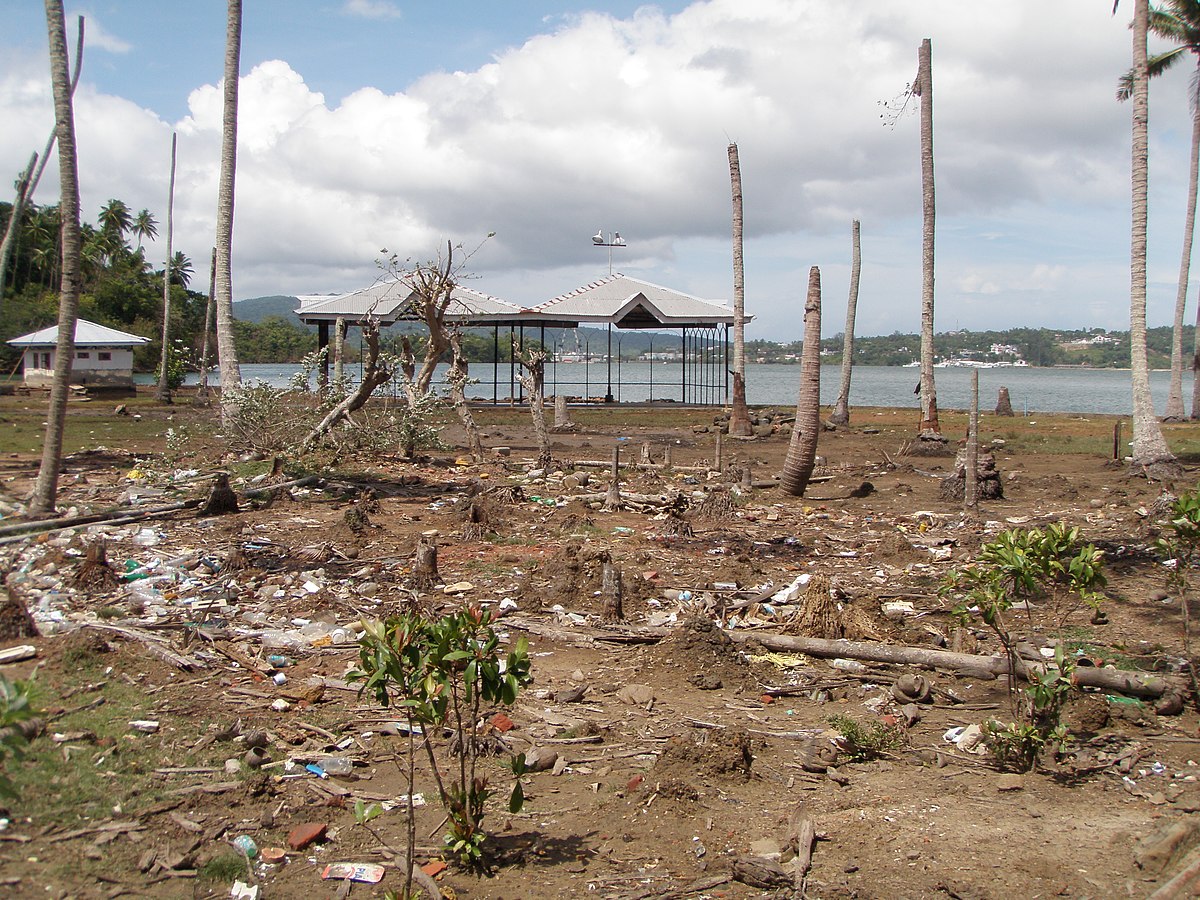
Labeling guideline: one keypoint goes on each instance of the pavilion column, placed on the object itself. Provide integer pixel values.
(608, 397)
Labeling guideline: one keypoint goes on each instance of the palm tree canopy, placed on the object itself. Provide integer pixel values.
(115, 218)
(1179, 22)
(181, 269)
(145, 225)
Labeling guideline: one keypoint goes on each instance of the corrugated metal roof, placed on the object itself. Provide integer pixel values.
(635, 304)
(381, 301)
(87, 334)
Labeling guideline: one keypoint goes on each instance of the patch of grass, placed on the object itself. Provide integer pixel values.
(864, 741)
(225, 868)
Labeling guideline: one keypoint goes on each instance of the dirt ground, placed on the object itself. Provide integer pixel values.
(678, 750)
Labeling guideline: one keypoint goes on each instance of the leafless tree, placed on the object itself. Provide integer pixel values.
(841, 409)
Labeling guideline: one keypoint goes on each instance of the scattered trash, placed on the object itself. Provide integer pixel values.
(308, 833)
(245, 844)
(243, 891)
(146, 726)
(365, 872)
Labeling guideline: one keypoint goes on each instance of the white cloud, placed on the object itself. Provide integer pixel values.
(372, 9)
(623, 124)
(95, 35)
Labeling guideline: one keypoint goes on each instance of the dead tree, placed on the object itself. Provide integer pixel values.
(374, 375)
(613, 501)
(456, 379)
(425, 568)
(533, 379)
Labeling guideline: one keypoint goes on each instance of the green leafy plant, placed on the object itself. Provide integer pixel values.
(864, 741)
(179, 360)
(444, 674)
(14, 710)
(1181, 546)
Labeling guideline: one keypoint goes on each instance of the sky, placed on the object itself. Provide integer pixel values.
(377, 127)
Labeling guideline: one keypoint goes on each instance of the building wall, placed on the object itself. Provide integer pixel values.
(89, 366)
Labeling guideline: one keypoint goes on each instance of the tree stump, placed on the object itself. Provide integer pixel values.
(1003, 403)
(611, 590)
(221, 499)
(15, 620)
(425, 570)
(989, 484)
(613, 501)
(94, 572)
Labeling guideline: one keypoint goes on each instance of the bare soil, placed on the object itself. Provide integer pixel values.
(682, 752)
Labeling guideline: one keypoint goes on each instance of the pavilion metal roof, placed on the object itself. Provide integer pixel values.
(87, 334)
(618, 300)
(632, 303)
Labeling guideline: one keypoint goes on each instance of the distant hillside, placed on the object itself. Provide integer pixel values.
(255, 309)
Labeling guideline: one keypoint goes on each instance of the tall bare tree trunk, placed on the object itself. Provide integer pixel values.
(739, 416)
(1175, 409)
(28, 181)
(231, 373)
(533, 377)
(202, 391)
(14, 220)
(339, 350)
(923, 87)
(841, 410)
(164, 388)
(802, 448)
(45, 490)
(1149, 445)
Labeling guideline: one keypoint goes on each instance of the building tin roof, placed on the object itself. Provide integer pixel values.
(632, 303)
(87, 334)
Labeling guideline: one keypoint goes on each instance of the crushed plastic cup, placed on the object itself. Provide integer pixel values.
(245, 844)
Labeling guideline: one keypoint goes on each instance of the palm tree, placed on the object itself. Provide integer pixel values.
(1149, 445)
(181, 269)
(231, 374)
(739, 417)
(1179, 21)
(144, 224)
(15, 220)
(802, 447)
(164, 375)
(841, 409)
(115, 220)
(45, 490)
(923, 88)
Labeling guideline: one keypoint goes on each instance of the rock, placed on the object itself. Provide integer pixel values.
(767, 848)
(308, 833)
(636, 694)
(1010, 782)
(539, 759)
(571, 695)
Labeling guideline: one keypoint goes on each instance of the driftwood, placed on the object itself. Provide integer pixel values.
(802, 835)
(759, 872)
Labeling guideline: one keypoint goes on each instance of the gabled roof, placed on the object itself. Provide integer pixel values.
(390, 301)
(632, 303)
(87, 334)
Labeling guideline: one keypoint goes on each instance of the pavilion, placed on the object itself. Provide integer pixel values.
(616, 301)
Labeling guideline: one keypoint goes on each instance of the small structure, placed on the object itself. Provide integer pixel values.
(103, 356)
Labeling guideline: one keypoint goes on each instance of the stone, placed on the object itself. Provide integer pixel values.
(636, 694)
(539, 759)
(308, 833)
(1010, 782)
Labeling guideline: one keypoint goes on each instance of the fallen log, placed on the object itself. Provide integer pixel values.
(802, 835)
(968, 664)
(154, 644)
(988, 667)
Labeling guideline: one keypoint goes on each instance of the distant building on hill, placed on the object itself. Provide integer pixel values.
(103, 356)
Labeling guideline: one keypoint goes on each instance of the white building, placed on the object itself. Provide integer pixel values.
(103, 356)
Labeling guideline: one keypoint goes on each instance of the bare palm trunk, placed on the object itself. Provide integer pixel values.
(45, 491)
(456, 378)
(231, 373)
(841, 410)
(202, 391)
(29, 179)
(533, 377)
(802, 448)
(164, 388)
(739, 416)
(1149, 446)
(14, 220)
(924, 89)
(339, 351)
(971, 473)
(1175, 409)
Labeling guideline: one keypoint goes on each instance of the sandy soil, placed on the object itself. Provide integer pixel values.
(674, 759)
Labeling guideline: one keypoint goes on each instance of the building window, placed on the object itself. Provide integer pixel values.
(103, 355)
(45, 364)
(83, 354)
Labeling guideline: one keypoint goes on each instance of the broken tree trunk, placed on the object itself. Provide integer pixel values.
(221, 499)
(425, 569)
(610, 589)
(374, 375)
(802, 834)
(612, 501)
